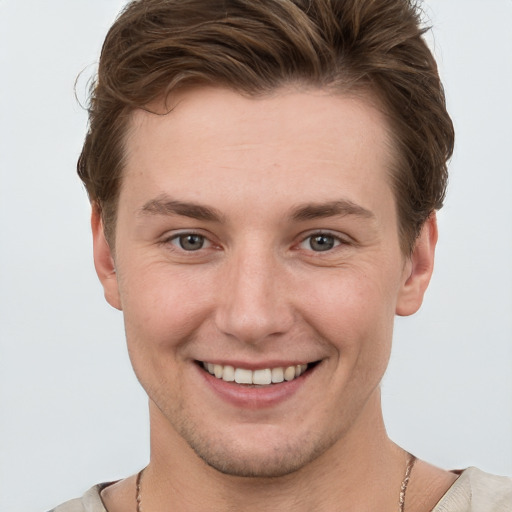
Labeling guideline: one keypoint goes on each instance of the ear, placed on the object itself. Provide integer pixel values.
(419, 268)
(104, 261)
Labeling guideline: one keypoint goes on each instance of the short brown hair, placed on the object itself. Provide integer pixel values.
(254, 47)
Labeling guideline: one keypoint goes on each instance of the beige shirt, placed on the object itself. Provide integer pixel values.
(476, 491)
(473, 491)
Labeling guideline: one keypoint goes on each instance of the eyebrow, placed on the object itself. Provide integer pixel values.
(164, 205)
(341, 207)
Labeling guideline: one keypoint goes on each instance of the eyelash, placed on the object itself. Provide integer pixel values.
(177, 241)
(336, 240)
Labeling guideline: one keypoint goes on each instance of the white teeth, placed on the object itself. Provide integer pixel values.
(289, 373)
(243, 376)
(261, 377)
(277, 375)
(300, 369)
(217, 370)
(228, 373)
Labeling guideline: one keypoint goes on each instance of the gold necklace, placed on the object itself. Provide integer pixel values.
(405, 482)
(401, 502)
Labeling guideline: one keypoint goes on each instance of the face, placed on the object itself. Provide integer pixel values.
(259, 270)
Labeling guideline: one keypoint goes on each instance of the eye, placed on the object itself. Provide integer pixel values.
(320, 242)
(190, 241)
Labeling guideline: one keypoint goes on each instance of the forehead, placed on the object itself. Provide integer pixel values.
(292, 143)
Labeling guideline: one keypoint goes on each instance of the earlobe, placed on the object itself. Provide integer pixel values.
(104, 261)
(419, 269)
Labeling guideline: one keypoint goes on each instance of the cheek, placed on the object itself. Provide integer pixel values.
(162, 309)
(350, 301)
(162, 313)
(353, 315)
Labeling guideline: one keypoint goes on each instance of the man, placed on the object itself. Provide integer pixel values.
(264, 178)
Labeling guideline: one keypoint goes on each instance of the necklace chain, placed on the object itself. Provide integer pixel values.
(139, 491)
(405, 482)
(401, 504)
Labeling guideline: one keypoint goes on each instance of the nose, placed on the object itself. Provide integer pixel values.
(253, 301)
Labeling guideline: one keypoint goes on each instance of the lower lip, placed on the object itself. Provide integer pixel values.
(255, 397)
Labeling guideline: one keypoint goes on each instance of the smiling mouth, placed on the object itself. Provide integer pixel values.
(262, 377)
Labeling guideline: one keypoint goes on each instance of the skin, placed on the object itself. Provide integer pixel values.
(257, 180)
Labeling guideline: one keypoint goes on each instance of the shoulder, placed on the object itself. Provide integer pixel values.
(477, 491)
(89, 502)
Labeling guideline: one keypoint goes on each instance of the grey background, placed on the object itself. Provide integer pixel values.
(72, 413)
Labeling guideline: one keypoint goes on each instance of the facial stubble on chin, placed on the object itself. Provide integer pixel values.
(288, 457)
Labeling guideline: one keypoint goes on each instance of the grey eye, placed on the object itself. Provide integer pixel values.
(322, 242)
(191, 242)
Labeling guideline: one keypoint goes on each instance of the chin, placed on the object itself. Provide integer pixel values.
(257, 456)
(277, 463)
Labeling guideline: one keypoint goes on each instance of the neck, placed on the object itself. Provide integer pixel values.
(361, 471)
